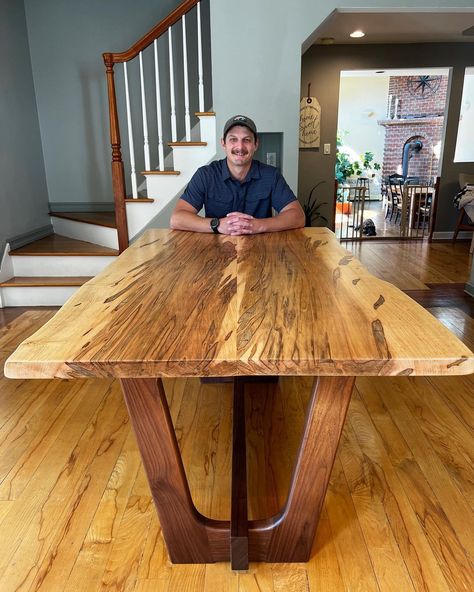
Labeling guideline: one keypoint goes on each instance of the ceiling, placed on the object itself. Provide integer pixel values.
(396, 27)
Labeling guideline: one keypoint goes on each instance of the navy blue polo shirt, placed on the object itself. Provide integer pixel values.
(213, 187)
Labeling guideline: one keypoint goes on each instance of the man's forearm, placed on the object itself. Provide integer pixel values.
(283, 221)
(182, 220)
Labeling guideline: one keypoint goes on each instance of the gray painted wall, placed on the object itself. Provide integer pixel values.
(67, 39)
(265, 63)
(321, 65)
(23, 194)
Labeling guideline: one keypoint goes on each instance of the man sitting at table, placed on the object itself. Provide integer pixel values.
(237, 192)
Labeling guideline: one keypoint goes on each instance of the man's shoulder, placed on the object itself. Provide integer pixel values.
(212, 168)
(267, 171)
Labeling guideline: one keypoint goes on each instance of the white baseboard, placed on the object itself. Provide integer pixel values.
(464, 234)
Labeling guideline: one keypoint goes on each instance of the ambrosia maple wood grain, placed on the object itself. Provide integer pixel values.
(288, 303)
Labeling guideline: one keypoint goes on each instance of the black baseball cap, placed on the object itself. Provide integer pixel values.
(240, 120)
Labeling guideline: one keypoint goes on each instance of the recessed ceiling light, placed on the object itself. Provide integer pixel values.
(357, 33)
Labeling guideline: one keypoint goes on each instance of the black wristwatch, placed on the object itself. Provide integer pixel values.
(215, 225)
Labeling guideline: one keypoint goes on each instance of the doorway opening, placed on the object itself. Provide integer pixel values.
(390, 138)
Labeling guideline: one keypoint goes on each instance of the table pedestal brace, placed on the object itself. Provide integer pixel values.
(191, 537)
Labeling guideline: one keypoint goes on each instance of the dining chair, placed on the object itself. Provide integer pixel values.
(395, 188)
(416, 215)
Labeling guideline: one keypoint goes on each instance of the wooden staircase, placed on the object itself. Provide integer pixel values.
(48, 271)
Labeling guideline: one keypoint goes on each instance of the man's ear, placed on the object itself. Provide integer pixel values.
(222, 143)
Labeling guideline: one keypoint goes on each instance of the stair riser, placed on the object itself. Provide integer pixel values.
(59, 265)
(188, 159)
(208, 130)
(100, 235)
(36, 296)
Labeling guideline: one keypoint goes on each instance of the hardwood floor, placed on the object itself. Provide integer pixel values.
(76, 512)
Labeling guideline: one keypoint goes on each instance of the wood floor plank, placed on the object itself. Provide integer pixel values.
(69, 507)
(427, 486)
(97, 545)
(457, 395)
(259, 578)
(290, 577)
(219, 577)
(376, 435)
(121, 572)
(201, 467)
(437, 477)
(51, 420)
(353, 558)
(187, 578)
(323, 569)
(367, 485)
(452, 442)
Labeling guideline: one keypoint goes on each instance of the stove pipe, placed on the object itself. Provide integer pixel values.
(408, 150)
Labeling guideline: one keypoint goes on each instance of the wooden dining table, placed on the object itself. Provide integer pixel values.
(181, 304)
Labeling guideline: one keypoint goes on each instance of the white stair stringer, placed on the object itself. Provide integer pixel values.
(164, 188)
(91, 233)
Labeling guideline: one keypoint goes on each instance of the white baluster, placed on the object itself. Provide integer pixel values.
(146, 147)
(187, 120)
(161, 157)
(133, 174)
(174, 134)
(200, 74)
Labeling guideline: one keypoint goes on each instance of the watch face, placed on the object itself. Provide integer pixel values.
(422, 87)
(215, 224)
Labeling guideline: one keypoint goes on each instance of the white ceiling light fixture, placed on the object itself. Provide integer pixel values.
(357, 33)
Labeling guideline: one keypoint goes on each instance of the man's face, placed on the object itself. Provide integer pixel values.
(239, 145)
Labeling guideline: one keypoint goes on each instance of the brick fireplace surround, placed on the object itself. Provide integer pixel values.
(417, 118)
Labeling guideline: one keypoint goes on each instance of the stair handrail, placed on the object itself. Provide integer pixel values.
(110, 59)
(153, 34)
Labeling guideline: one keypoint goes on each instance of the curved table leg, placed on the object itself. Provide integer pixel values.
(288, 537)
(193, 538)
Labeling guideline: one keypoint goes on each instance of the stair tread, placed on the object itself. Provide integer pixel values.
(205, 113)
(55, 244)
(156, 172)
(106, 219)
(187, 143)
(49, 281)
(139, 200)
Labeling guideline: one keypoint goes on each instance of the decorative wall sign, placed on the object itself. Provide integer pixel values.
(310, 122)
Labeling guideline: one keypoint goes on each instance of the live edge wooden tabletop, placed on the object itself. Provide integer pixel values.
(288, 303)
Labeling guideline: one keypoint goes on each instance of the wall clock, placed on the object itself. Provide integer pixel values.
(423, 86)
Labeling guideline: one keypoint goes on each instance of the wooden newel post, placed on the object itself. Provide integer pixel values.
(118, 174)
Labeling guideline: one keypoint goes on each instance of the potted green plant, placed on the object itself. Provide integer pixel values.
(311, 207)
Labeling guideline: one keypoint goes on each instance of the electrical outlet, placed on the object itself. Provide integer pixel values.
(327, 149)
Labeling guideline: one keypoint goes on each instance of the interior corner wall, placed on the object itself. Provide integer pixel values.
(67, 39)
(321, 65)
(23, 192)
(256, 60)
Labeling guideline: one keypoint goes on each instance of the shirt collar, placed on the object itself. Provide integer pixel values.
(254, 172)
